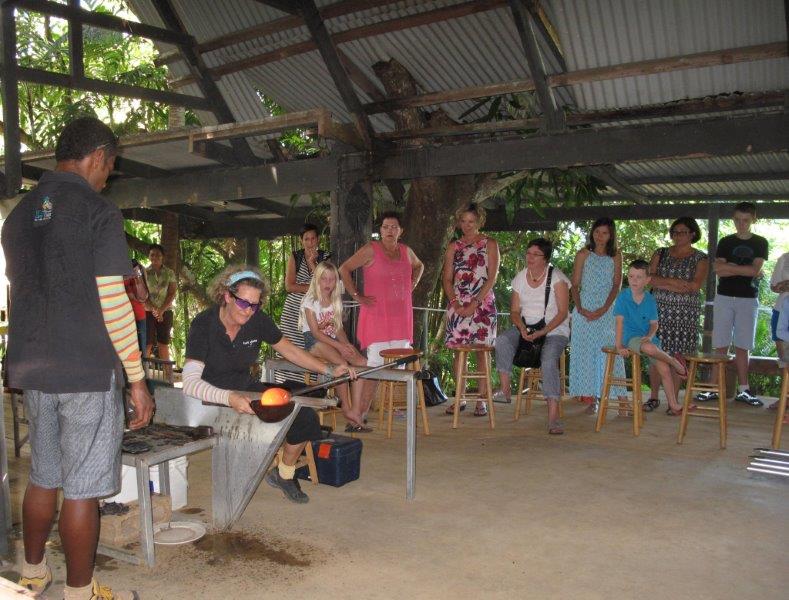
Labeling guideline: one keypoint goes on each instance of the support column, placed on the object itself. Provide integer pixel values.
(253, 251)
(350, 222)
(10, 89)
(171, 241)
(713, 220)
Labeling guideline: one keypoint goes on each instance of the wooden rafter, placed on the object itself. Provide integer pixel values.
(424, 18)
(648, 67)
(208, 87)
(334, 64)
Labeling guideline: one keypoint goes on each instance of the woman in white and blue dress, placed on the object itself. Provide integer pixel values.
(597, 277)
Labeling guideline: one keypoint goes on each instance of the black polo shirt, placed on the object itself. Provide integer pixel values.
(58, 239)
(227, 363)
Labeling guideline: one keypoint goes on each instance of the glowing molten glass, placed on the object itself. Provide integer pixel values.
(275, 397)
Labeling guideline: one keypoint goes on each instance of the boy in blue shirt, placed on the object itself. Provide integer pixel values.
(636, 324)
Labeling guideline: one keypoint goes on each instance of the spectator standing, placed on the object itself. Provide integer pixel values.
(161, 287)
(677, 274)
(137, 290)
(738, 265)
(779, 283)
(71, 329)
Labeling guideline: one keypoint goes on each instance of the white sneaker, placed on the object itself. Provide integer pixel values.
(498, 396)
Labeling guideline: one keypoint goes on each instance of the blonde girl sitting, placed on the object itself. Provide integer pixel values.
(321, 322)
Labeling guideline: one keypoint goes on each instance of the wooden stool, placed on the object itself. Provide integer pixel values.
(533, 380)
(462, 375)
(717, 363)
(633, 382)
(388, 402)
(305, 460)
(781, 412)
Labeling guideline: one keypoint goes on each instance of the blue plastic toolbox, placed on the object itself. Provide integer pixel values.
(337, 459)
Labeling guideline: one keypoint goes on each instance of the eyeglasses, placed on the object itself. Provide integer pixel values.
(245, 304)
(676, 232)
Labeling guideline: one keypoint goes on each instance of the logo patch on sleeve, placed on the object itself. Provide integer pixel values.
(44, 211)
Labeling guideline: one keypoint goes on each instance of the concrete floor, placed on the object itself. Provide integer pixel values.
(509, 513)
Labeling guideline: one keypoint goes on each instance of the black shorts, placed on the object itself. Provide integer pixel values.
(305, 427)
(160, 329)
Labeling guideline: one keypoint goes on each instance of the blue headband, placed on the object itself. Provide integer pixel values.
(236, 277)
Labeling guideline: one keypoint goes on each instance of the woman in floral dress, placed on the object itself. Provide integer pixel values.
(471, 265)
(678, 274)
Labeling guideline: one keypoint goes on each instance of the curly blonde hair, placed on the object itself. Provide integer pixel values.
(220, 284)
(474, 209)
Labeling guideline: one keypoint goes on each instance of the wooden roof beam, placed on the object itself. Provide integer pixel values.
(424, 18)
(647, 67)
(334, 64)
(207, 85)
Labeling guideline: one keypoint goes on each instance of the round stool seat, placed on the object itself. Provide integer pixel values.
(610, 350)
(710, 359)
(399, 352)
(472, 348)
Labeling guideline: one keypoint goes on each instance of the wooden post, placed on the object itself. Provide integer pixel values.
(253, 251)
(11, 135)
(713, 220)
(170, 240)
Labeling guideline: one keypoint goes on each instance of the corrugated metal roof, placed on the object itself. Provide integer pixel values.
(485, 48)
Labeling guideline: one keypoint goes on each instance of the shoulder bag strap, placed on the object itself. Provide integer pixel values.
(547, 291)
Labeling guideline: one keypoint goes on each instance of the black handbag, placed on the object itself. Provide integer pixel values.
(434, 395)
(528, 353)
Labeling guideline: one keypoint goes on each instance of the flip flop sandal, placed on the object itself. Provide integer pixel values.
(651, 404)
(556, 428)
(681, 360)
(451, 408)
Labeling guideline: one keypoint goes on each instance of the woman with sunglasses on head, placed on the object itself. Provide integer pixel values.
(677, 274)
(224, 342)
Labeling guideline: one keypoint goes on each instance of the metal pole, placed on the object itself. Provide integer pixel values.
(410, 443)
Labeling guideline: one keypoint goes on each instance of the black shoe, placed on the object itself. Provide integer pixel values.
(289, 487)
(748, 398)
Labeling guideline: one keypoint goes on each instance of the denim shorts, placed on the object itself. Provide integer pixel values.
(309, 340)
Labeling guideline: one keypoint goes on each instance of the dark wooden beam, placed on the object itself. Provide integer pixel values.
(608, 175)
(707, 178)
(265, 229)
(286, 6)
(608, 145)
(207, 85)
(649, 67)
(334, 64)
(424, 18)
(135, 168)
(11, 135)
(215, 151)
(554, 118)
(75, 45)
(497, 220)
(337, 9)
(546, 30)
(104, 21)
(114, 89)
(282, 179)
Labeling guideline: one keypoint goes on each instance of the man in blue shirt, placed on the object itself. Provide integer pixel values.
(636, 324)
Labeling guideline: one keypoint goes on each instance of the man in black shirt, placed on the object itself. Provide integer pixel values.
(738, 265)
(71, 321)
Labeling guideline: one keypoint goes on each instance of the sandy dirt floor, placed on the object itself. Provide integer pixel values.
(509, 513)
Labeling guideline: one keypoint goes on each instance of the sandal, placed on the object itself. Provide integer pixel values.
(670, 412)
(651, 404)
(481, 411)
(555, 428)
(352, 428)
(451, 408)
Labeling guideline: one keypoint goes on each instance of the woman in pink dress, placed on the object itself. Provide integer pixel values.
(391, 271)
(471, 266)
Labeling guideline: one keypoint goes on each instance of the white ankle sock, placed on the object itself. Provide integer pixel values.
(38, 570)
(743, 388)
(78, 593)
(286, 471)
